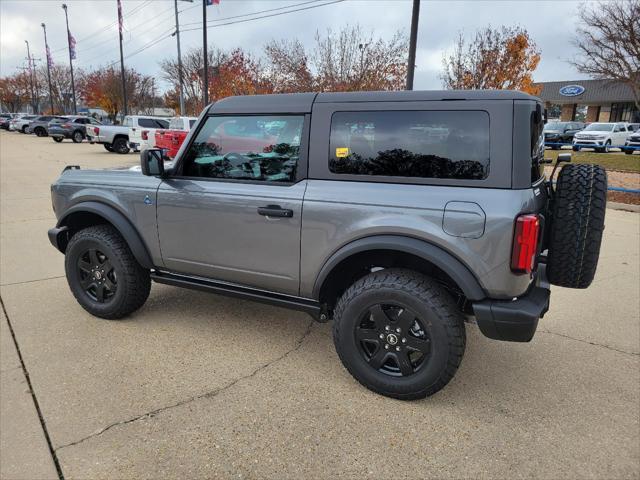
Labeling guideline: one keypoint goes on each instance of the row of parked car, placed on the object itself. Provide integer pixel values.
(137, 132)
(601, 136)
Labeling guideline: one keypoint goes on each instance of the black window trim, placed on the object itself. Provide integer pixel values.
(303, 158)
(438, 181)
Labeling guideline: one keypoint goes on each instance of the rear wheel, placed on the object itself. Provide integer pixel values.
(576, 148)
(399, 334)
(77, 136)
(628, 151)
(120, 146)
(103, 274)
(40, 132)
(579, 207)
(57, 139)
(24, 129)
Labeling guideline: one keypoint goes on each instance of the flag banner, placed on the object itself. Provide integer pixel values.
(213, 2)
(72, 46)
(120, 17)
(49, 59)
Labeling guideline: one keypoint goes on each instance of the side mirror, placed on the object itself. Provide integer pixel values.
(152, 163)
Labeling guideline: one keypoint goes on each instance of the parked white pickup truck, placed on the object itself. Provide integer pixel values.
(115, 138)
(142, 131)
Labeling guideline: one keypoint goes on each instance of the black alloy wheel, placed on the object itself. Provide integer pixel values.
(393, 340)
(77, 136)
(97, 276)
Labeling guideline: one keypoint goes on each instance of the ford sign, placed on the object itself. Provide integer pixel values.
(572, 90)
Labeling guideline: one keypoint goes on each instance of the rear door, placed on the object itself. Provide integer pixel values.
(232, 211)
(619, 134)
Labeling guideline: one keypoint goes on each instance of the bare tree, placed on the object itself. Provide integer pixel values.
(608, 42)
(502, 58)
(346, 60)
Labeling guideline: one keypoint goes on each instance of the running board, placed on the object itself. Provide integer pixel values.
(307, 305)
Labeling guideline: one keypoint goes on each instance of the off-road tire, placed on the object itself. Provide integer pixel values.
(120, 146)
(579, 206)
(108, 147)
(425, 297)
(77, 136)
(133, 281)
(57, 139)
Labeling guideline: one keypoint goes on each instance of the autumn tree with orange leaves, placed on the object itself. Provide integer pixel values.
(502, 59)
(103, 88)
(15, 91)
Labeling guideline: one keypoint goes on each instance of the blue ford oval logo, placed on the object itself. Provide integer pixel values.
(572, 90)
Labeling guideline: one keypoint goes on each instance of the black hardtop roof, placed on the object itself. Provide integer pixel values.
(302, 102)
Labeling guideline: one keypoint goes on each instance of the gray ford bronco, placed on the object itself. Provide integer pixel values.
(399, 215)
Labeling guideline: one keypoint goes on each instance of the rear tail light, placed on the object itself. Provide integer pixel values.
(145, 134)
(175, 140)
(96, 130)
(66, 125)
(525, 243)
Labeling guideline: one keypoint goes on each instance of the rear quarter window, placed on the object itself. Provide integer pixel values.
(423, 144)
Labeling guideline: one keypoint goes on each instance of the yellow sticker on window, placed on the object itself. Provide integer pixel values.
(342, 152)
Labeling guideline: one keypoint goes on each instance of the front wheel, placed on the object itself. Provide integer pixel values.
(57, 139)
(399, 334)
(103, 274)
(120, 146)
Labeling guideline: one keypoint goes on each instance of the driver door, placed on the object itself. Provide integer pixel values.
(232, 210)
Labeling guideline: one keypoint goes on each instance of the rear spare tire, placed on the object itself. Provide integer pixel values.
(577, 225)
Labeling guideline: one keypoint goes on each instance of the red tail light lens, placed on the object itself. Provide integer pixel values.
(145, 134)
(96, 130)
(525, 243)
(66, 125)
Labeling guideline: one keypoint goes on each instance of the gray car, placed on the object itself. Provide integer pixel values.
(40, 125)
(398, 215)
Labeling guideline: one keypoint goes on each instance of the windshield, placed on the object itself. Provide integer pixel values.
(559, 126)
(600, 127)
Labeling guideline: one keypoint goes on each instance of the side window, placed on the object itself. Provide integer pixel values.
(161, 123)
(147, 123)
(261, 148)
(128, 122)
(192, 123)
(425, 144)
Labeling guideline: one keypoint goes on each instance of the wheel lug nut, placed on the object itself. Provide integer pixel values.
(386, 346)
(397, 349)
(381, 336)
(404, 340)
(398, 330)
(387, 328)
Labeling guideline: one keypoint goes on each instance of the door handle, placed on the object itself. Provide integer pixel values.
(275, 211)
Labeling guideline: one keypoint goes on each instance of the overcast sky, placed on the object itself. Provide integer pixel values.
(94, 24)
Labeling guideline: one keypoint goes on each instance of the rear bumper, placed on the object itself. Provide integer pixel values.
(515, 320)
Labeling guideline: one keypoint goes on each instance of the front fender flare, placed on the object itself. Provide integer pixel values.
(420, 248)
(119, 221)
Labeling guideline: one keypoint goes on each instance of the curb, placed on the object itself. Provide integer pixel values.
(625, 207)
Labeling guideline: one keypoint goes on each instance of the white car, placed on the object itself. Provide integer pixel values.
(142, 131)
(19, 124)
(601, 136)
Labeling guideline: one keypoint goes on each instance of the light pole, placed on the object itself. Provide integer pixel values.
(412, 43)
(46, 46)
(205, 72)
(122, 72)
(34, 106)
(180, 81)
(71, 56)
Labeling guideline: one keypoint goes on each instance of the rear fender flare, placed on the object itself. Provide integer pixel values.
(442, 259)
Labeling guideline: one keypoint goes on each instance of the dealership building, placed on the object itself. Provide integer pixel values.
(590, 100)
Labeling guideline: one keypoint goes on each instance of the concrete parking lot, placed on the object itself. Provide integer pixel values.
(197, 385)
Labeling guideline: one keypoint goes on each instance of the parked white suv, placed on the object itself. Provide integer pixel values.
(601, 136)
(142, 131)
